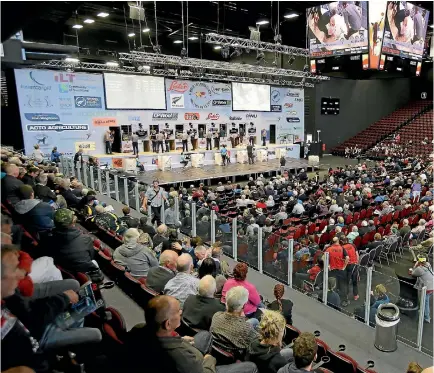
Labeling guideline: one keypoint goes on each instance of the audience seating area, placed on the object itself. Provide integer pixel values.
(384, 127)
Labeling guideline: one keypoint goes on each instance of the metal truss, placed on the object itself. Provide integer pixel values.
(153, 59)
(235, 42)
(173, 73)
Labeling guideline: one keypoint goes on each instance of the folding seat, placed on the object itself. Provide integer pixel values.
(323, 349)
(66, 275)
(82, 278)
(291, 333)
(357, 241)
(362, 214)
(146, 295)
(365, 239)
(340, 362)
(185, 329)
(130, 285)
(222, 357)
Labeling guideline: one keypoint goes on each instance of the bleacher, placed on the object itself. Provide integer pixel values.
(379, 130)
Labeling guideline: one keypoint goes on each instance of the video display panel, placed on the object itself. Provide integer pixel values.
(338, 28)
(377, 19)
(405, 29)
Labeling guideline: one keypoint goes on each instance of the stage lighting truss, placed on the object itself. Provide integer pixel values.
(153, 59)
(177, 73)
(230, 41)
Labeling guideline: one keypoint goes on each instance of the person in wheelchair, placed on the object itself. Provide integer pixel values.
(185, 159)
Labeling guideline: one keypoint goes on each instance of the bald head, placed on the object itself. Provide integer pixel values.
(207, 286)
(12, 170)
(161, 311)
(168, 259)
(184, 263)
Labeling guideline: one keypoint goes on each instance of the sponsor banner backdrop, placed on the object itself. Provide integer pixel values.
(52, 105)
(61, 109)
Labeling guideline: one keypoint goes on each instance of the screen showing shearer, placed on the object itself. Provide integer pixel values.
(250, 97)
(405, 29)
(338, 28)
(134, 91)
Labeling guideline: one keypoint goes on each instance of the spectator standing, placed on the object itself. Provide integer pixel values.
(425, 277)
(37, 154)
(155, 196)
(338, 260)
(135, 140)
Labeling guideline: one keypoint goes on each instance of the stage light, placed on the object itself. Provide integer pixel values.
(306, 68)
(291, 60)
(77, 26)
(103, 14)
(217, 47)
(177, 41)
(72, 60)
(88, 20)
(183, 52)
(262, 22)
(131, 34)
(290, 15)
(112, 64)
(146, 30)
(193, 38)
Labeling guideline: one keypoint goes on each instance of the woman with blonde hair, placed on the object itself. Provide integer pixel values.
(267, 352)
(378, 296)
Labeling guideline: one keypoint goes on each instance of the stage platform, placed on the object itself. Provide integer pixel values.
(206, 174)
(198, 158)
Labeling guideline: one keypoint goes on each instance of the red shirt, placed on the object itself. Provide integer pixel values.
(313, 272)
(337, 256)
(351, 251)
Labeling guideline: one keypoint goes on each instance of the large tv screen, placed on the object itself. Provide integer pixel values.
(377, 19)
(250, 97)
(405, 29)
(134, 91)
(338, 28)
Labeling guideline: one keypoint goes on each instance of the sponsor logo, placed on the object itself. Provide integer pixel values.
(275, 95)
(200, 95)
(177, 101)
(167, 116)
(221, 102)
(90, 102)
(177, 86)
(251, 116)
(66, 88)
(64, 78)
(213, 116)
(63, 88)
(289, 104)
(37, 102)
(191, 116)
(221, 90)
(276, 108)
(293, 120)
(235, 118)
(65, 103)
(298, 100)
(41, 117)
(296, 128)
(293, 94)
(57, 127)
(35, 84)
(104, 122)
(86, 113)
(293, 112)
(134, 118)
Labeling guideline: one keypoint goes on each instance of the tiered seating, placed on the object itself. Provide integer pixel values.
(385, 126)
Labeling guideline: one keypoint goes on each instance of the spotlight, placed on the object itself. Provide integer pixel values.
(262, 22)
(77, 26)
(88, 20)
(217, 47)
(291, 60)
(225, 51)
(157, 49)
(306, 68)
(183, 52)
(193, 38)
(177, 42)
(260, 57)
(146, 30)
(103, 14)
(72, 60)
(112, 64)
(131, 34)
(290, 15)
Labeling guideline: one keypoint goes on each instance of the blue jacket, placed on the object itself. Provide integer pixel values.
(35, 215)
(55, 156)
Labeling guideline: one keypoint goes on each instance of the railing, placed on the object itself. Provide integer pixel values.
(279, 257)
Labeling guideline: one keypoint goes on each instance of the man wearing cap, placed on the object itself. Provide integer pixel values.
(35, 215)
(155, 196)
(68, 246)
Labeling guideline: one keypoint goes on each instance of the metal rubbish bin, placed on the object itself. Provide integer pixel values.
(387, 319)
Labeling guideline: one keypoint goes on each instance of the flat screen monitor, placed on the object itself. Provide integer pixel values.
(377, 19)
(134, 92)
(338, 28)
(250, 97)
(405, 29)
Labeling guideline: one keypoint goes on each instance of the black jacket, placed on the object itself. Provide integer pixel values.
(70, 249)
(10, 189)
(198, 311)
(363, 231)
(286, 309)
(158, 277)
(129, 221)
(37, 314)
(18, 346)
(44, 193)
(71, 199)
(28, 180)
(266, 357)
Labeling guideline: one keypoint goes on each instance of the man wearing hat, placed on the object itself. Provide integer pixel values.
(68, 246)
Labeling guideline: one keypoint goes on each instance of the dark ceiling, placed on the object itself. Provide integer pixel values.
(52, 22)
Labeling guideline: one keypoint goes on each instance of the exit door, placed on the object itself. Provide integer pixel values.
(272, 133)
